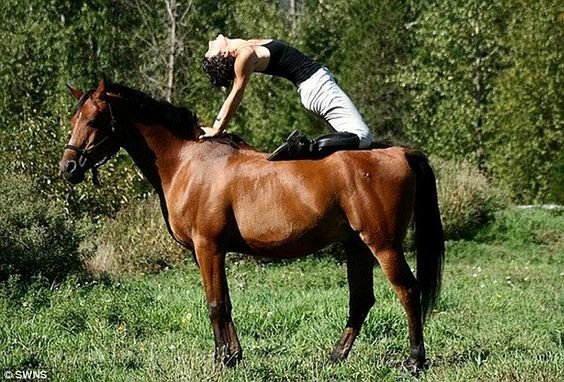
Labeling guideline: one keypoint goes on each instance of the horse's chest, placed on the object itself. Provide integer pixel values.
(180, 218)
(181, 230)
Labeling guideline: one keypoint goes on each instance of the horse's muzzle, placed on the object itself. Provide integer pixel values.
(71, 171)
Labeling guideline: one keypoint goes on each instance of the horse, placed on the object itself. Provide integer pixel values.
(221, 195)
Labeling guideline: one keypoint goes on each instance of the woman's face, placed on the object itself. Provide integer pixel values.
(217, 46)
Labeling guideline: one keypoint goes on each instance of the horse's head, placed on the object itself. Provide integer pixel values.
(93, 139)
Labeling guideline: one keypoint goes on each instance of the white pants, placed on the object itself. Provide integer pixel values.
(321, 95)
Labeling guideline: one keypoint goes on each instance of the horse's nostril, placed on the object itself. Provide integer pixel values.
(70, 166)
(71, 171)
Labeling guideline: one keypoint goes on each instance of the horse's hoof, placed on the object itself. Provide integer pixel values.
(232, 361)
(337, 356)
(414, 366)
(227, 358)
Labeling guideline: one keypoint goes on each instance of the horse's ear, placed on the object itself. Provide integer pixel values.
(75, 92)
(102, 86)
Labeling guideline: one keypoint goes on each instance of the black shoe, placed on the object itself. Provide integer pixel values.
(281, 153)
(330, 143)
(297, 146)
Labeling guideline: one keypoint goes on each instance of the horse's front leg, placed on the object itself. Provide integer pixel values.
(211, 261)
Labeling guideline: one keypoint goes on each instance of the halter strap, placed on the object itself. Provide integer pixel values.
(87, 153)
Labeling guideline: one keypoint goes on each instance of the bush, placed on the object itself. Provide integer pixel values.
(467, 199)
(540, 226)
(37, 237)
(136, 240)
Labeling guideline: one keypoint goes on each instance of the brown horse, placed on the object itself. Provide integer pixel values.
(219, 195)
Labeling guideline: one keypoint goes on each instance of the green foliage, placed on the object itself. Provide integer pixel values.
(541, 227)
(467, 199)
(455, 55)
(483, 84)
(37, 236)
(556, 182)
(45, 45)
(525, 124)
(320, 29)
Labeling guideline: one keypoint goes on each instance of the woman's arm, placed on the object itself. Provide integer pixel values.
(245, 64)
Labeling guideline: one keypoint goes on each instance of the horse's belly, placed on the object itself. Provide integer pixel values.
(283, 234)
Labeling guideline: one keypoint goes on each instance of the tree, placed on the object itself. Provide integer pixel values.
(370, 51)
(524, 126)
(46, 45)
(455, 56)
(164, 39)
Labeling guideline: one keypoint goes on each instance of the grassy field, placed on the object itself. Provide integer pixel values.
(500, 319)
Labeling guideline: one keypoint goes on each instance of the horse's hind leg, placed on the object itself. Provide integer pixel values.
(360, 264)
(396, 269)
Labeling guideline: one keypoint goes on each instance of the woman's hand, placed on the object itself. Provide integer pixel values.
(210, 132)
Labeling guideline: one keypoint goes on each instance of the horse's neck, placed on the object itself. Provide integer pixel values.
(156, 151)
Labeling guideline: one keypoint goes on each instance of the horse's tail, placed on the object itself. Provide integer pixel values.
(429, 241)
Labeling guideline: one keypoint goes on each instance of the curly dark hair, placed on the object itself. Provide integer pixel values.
(219, 69)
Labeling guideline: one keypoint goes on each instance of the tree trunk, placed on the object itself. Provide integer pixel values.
(171, 7)
(480, 97)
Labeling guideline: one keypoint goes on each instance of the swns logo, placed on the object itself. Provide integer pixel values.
(25, 374)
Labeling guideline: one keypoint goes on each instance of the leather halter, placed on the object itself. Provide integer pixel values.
(87, 153)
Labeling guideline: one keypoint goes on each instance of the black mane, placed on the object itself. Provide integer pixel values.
(179, 120)
(232, 140)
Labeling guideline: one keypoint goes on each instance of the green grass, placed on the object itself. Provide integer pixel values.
(500, 319)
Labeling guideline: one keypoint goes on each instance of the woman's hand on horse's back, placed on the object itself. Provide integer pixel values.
(210, 132)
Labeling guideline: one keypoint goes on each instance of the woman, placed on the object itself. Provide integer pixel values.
(235, 60)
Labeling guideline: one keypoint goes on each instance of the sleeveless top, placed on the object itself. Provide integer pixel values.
(288, 62)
